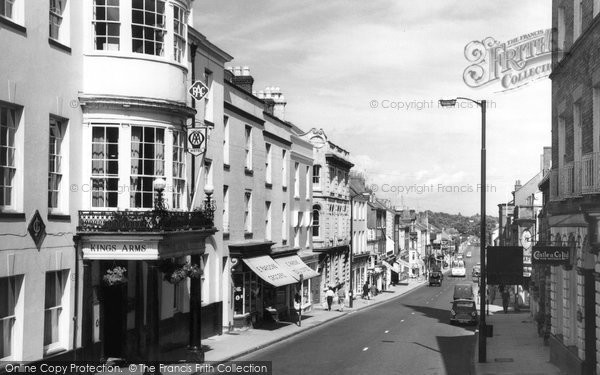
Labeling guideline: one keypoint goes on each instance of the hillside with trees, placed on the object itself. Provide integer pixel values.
(468, 225)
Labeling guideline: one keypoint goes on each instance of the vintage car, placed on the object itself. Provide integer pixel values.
(435, 278)
(458, 269)
(463, 311)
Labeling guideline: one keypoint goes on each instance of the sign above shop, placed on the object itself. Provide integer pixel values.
(552, 255)
(297, 267)
(126, 250)
(268, 270)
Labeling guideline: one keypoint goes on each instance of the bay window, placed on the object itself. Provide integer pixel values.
(148, 27)
(105, 166)
(107, 26)
(147, 164)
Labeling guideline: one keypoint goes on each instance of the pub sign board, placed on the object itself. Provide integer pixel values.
(552, 255)
(504, 265)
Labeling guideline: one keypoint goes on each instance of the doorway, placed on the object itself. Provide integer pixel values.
(113, 325)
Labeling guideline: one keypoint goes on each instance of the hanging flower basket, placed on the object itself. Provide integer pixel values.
(175, 273)
(115, 276)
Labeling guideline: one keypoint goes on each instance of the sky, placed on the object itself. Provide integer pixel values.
(370, 74)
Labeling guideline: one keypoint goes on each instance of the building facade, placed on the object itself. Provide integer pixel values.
(40, 132)
(331, 204)
(573, 208)
(267, 200)
(360, 260)
(121, 221)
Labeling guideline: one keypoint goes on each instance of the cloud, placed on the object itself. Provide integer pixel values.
(331, 59)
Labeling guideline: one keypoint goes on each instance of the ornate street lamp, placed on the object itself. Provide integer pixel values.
(483, 237)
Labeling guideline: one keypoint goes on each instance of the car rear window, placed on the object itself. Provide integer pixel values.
(464, 305)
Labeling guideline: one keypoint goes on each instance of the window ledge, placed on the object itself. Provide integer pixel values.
(249, 172)
(12, 215)
(53, 350)
(13, 25)
(268, 185)
(226, 166)
(59, 217)
(59, 45)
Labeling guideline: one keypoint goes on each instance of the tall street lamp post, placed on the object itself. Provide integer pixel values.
(482, 325)
(363, 194)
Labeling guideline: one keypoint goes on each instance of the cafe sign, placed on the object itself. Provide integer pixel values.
(122, 250)
(552, 255)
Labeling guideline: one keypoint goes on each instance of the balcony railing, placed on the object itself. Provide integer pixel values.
(590, 173)
(145, 221)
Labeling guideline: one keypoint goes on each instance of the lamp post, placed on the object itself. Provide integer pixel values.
(159, 185)
(482, 325)
(364, 194)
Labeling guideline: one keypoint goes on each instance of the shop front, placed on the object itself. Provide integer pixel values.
(141, 290)
(264, 284)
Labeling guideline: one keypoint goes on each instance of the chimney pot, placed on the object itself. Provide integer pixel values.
(246, 71)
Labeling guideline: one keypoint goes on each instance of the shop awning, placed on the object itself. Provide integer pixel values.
(268, 270)
(572, 220)
(296, 266)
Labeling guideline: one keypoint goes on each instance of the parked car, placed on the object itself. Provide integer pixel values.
(463, 311)
(435, 278)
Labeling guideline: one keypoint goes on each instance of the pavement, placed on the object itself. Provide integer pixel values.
(515, 347)
(233, 345)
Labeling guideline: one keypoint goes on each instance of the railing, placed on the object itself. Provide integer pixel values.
(144, 221)
(590, 173)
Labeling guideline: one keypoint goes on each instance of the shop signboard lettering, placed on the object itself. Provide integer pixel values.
(129, 250)
(552, 255)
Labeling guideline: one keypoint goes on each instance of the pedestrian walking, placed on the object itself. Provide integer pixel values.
(505, 299)
(341, 297)
(329, 295)
(298, 306)
(365, 291)
(373, 290)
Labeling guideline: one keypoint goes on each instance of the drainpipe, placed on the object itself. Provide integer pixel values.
(76, 305)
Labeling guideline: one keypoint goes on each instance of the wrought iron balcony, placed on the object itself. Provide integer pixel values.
(146, 221)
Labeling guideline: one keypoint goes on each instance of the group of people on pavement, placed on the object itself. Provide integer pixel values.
(342, 295)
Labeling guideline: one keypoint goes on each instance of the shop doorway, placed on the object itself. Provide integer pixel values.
(113, 325)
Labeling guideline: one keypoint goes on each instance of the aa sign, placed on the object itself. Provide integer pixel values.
(196, 138)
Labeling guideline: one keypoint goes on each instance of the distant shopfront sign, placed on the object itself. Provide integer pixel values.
(551, 255)
(125, 250)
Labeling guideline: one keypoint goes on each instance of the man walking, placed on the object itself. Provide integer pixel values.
(329, 295)
(365, 290)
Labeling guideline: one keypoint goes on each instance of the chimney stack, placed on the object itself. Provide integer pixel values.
(517, 185)
(242, 77)
(546, 159)
(274, 100)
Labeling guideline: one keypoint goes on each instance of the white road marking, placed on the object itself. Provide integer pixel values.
(412, 313)
(387, 331)
(365, 349)
(401, 320)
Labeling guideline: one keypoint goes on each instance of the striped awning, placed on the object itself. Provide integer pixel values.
(270, 271)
